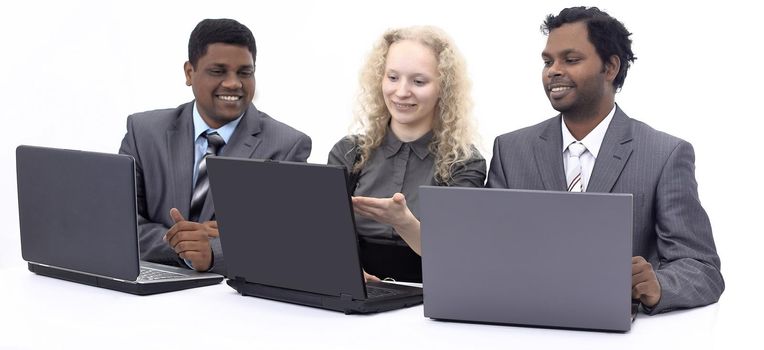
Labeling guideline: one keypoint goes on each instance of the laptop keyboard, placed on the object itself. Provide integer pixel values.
(149, 274)
(376, 292)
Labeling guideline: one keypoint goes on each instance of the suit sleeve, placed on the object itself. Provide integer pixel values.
(300, 150)
(152, 247)
(689, 269)
(496, 177)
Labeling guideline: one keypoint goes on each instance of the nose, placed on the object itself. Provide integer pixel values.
(554, 70)
(402, 90)
(231, 81)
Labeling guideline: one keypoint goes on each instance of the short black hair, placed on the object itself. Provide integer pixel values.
(223, 30)
(607, 34)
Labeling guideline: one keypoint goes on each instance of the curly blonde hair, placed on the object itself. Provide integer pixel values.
(453, 134)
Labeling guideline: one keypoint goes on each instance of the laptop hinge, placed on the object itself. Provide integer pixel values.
(346, 297)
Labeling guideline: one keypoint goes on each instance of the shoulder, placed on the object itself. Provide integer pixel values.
(345, 150)
(159, 118)
(656, 141)
(345, 144)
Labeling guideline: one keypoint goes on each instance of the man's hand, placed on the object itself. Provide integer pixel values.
(191, 240)
(644, 282)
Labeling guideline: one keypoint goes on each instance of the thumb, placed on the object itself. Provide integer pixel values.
(399, 198)
(176, 216)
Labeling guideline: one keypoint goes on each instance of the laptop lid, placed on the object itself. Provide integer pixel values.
(77, 210)
(554, 259)
(287, 225)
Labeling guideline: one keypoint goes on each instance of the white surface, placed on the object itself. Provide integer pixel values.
(49, 313)
(73, 70)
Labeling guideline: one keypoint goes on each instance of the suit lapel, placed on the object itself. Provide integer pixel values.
(548, 154)
(180, 146)
(242, 144)
(613, 155)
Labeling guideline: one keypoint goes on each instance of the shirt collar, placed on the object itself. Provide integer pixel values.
(225, 131)
(592, 141)
(392, 145)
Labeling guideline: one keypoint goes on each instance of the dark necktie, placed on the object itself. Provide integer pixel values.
(214, 143)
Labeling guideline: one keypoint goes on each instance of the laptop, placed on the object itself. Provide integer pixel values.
(78, 222)
(533, 258)
(288, 233)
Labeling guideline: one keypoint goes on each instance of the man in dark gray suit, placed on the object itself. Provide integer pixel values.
(169, 146)
(593, 146)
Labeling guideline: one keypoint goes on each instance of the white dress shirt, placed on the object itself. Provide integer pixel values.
(592, 142)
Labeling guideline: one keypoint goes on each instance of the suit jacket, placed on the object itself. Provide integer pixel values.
(162, 144)
(671, 229)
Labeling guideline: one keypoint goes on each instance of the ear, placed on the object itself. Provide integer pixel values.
(188, 69)
(612, 67)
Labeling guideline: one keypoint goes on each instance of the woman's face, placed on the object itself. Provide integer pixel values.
(411, 85)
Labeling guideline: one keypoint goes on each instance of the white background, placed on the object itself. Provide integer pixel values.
(71, 72)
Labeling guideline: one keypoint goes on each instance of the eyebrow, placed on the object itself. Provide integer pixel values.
(563, 53)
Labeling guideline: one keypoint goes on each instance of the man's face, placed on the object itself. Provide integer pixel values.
(576, 81)
(223, 82)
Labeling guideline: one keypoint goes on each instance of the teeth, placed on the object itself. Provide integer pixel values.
(229, 98)
(560, 88)
(403, 105)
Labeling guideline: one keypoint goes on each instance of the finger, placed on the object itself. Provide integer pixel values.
(370, 278)
(399, 198)
(190, 246)
(171, 233)
(187, 236)
(212, 232)
(176, 216)
(637, 266)
(361, 212)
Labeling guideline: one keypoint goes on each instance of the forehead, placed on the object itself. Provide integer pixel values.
(409, 56)
(227, 55)
(570, 37)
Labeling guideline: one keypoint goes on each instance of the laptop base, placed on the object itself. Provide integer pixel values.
(341, 304)
(119, 285)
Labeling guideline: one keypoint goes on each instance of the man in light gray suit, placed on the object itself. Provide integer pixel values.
(169, 146)
(594, 146)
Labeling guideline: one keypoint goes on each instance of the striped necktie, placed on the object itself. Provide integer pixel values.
(214, 143)
(573, 173)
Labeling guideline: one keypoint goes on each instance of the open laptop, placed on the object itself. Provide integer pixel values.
(78, 222)
(288, 233)
(536, 258)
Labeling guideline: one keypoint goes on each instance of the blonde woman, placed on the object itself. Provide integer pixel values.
(416, 130)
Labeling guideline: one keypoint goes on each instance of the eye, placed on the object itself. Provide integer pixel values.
(391, 77)
(547, 63)
(216, 71)
(572, 60)
(246, 73)
(420, 82)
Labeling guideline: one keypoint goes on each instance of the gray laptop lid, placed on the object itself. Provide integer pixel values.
(77, 210)
(541, 258)
(287, 225)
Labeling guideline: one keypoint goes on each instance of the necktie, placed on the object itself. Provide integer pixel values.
(573, 173)
(214, 143)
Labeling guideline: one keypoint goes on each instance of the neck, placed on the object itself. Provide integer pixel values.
(410, 132)
(581, 124)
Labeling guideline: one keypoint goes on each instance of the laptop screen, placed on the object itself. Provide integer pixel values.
(77, 210)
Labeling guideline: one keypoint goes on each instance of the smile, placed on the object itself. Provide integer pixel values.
(404, 105)
(230, 98)
(560, 88)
